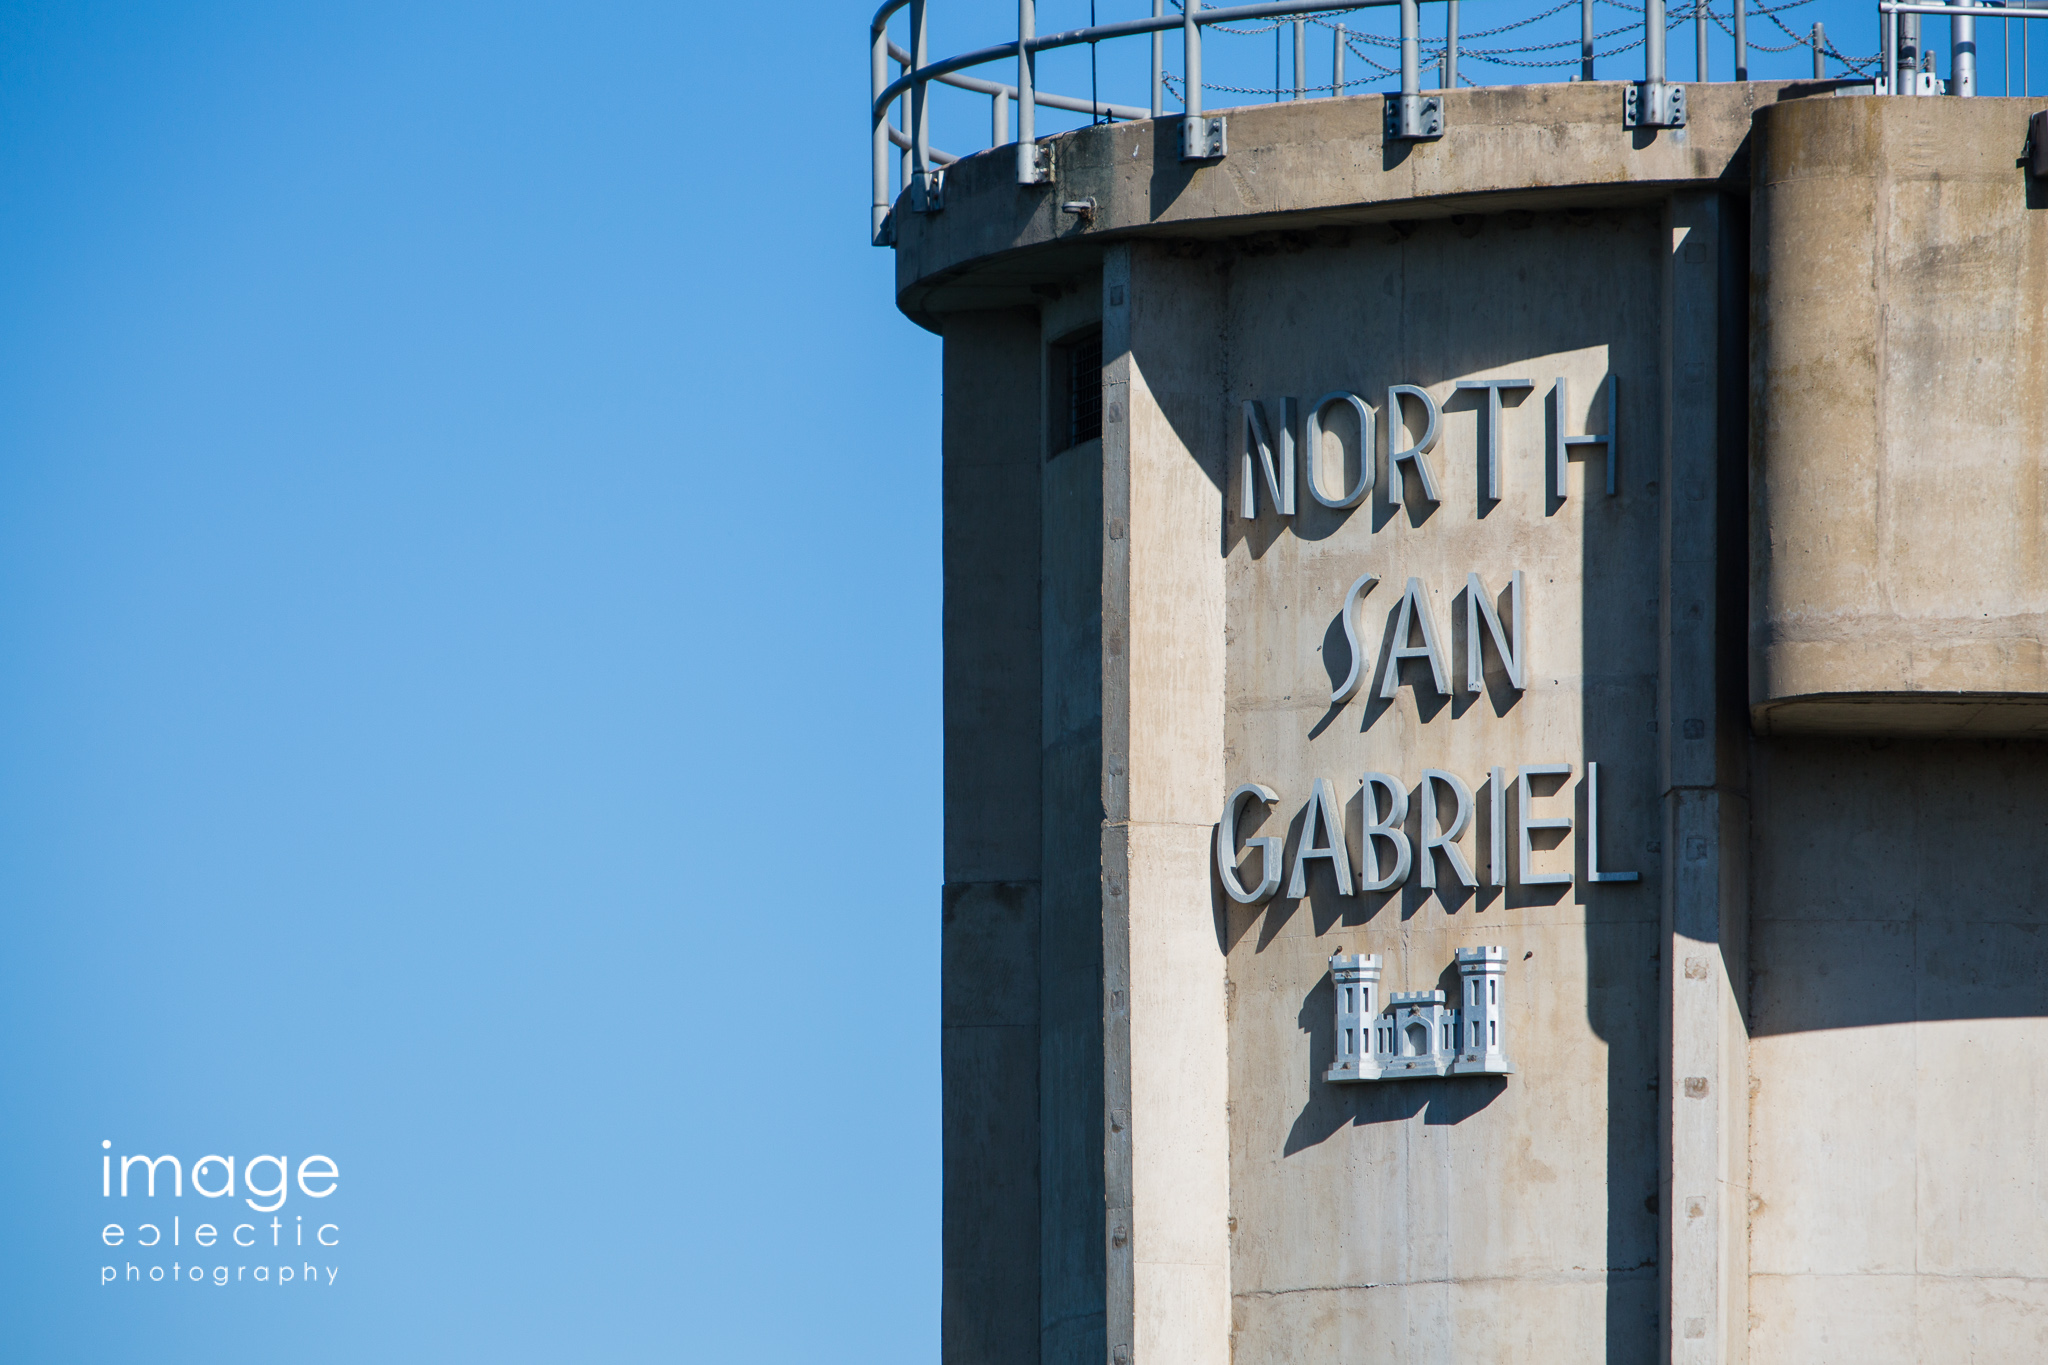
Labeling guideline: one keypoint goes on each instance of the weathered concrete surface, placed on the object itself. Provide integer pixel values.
(1778, 1099)
(1168, 1140)
(1900, 1103)
(1447, 1220)
(1900, 267)
(990, 941)
(1703, 948)
(1071, 1060)
(1299, 165)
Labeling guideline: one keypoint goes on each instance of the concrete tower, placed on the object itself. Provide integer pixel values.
(1715, 455)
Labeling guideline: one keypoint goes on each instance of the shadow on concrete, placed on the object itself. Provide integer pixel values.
(1921, 909)
(1170, 175)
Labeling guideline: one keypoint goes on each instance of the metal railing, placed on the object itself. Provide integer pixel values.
(1904, 67)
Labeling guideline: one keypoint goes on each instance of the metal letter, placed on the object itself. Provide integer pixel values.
(1279, 479)
(1478, 608)
(1493, 388)
(1497, 810)
(1312, 449)
(1395, 487)
(1561, 444)
(1593, 872)
(1226, 848)
(1357, 675)
(1322, 809)
(1446, 842)
(1369, 878)
(1528, 822)
(1414, 611)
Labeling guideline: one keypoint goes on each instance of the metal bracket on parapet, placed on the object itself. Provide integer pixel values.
(1203, 137)
(1414, 118)
(928, 192)
(1039, 171)
(1653, 104)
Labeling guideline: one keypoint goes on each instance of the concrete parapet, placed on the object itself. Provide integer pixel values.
(1300, 165)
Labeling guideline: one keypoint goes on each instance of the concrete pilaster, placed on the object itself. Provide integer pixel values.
(989, 1046)
(1166, 1082)
(1704, 1077)
(1071, 1042)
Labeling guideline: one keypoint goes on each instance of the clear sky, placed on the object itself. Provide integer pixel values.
(469, 652)
(469, 675)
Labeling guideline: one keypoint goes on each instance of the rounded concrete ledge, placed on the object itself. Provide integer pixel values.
(1304, 164)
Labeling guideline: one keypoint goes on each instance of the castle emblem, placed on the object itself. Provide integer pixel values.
(1417, 1033)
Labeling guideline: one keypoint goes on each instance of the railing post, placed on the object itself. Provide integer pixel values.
(1585, 40)
(1962, 50)
(998, 119)
(1337, 61)
(1158, 62)
(1201, 137)
(1450, 44)
(1300, 60)
(1888, 31)
(1741, 41)
(1909, 53)
(1699, 40)
(1654, 102)
(879, 117)
(1820, 51)
(1411, 49)
(1412, 116)
(1029, 167)
(924, 188)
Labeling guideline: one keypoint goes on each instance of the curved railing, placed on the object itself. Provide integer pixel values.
(1905, 67)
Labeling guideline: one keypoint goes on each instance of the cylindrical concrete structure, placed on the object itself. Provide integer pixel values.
(1620, 486)
(1900, 345)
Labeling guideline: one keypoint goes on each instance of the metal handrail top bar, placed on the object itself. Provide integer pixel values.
(1044, 97)
(1074, 37)
(880, 23)
(1987, 9)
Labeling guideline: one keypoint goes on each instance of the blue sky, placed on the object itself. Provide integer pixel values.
(468, 570)
(469, 704)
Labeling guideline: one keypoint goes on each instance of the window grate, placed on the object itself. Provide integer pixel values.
(1084, 389)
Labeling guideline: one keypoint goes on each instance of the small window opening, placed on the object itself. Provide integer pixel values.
(1075, 370)
(1084, 389)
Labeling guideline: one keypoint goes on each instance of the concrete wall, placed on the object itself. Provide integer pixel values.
(1900, 1100)
(1776, 1097)
(1073, 1296)
(1901, 275)
(1440, 1220)
(990, 1004)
